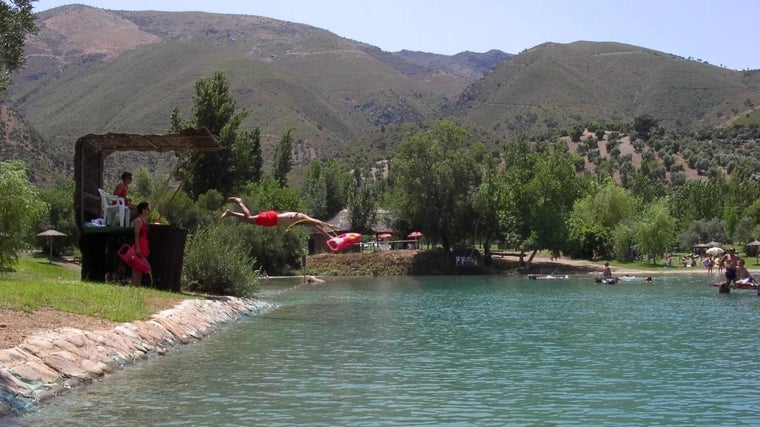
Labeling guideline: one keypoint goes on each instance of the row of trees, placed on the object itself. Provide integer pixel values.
(531, 195)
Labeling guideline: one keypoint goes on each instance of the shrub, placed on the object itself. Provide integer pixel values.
(217, 262)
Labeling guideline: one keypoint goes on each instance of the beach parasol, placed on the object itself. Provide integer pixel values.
(50, 234)
(714, 251)
(385, 235)
(414, 234)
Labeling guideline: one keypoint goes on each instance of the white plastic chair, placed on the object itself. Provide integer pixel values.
(111, 205)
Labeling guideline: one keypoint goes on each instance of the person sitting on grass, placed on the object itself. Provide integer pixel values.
(274, 219)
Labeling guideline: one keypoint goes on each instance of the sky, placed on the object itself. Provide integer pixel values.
(721, 32)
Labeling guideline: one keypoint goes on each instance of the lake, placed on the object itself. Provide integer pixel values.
(479, 351)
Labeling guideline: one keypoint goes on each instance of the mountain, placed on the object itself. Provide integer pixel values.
(91, 70)
(555, 85)
(94, 71)
(20, 141)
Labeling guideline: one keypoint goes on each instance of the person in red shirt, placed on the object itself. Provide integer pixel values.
(122, 187)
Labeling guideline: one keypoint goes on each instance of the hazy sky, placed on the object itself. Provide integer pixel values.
(721, 32)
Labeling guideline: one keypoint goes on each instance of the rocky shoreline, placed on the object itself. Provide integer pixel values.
(48, 364)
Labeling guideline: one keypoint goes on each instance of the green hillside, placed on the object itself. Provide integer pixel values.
(554, 85)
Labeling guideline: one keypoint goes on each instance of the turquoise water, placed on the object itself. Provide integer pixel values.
(481, 351)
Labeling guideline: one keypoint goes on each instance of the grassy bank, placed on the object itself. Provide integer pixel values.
(35, 283)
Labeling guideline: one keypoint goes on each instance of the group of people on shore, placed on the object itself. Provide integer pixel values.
(734, 267)
(735, 270)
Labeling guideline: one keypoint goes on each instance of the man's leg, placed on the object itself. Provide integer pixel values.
(239, 202)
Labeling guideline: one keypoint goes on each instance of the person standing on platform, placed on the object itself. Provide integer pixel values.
(730, 261)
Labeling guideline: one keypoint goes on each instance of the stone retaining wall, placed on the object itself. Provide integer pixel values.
(50, 363)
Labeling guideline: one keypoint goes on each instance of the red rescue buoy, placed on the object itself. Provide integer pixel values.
(133, 260)
(343, 241)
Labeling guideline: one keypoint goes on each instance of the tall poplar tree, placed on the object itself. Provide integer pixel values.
(240, 161)
(282, 160)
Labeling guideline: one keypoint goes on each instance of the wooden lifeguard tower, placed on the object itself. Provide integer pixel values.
(100, 244)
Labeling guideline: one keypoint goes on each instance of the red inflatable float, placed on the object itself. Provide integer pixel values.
(343, 241)
(134, 261)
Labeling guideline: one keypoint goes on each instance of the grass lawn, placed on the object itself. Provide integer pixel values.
(36, 283)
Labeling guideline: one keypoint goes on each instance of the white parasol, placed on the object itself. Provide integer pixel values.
(714, 251)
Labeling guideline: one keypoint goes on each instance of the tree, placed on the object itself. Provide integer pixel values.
(17, 21)
(145, 186)
(225, 170)
(553, 189)
(542, 187)
(248, 147)
(60, 217)
(434, 175)
(321, 188)
(362, 209)
(655, 230)
(595, 216)
(20, 209)
(703, 232)
(282, 159)
(645, 188)
(697, 200)
(488, 199)
(643, 125)
(624, 241)
(744, 230)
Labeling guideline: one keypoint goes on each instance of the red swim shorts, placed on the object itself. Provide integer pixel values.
(267, 218)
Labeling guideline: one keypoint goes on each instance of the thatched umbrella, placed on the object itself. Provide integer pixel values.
(50, 234)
